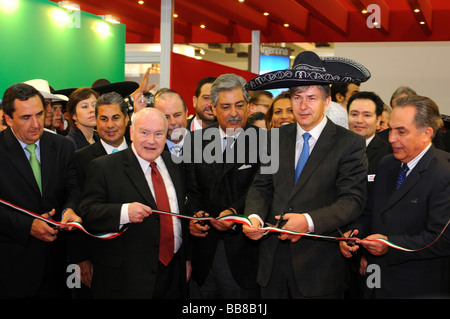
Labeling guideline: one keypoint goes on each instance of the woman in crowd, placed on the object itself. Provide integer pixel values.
(82, 121)
(280, 111)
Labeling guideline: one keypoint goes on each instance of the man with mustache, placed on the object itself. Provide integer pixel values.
(224, 261)
(172, 105)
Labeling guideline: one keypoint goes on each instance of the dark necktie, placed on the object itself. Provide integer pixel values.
(166, 243)
(303, 156)
(402, 175)
(35, 166)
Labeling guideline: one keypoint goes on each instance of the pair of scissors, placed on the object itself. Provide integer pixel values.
(280, 223)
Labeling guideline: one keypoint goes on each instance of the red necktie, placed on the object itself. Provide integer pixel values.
(166, 244)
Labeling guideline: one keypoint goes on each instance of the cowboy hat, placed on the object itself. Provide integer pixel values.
(309, 69)
(43, 87)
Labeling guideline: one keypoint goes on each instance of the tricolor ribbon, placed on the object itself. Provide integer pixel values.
(236, 218)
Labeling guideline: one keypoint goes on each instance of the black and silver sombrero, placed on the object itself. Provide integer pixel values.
(309, 69)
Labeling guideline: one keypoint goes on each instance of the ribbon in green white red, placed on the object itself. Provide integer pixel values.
(58, 224)
(241, 219)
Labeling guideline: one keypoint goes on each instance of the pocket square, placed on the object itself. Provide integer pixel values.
(244, 166)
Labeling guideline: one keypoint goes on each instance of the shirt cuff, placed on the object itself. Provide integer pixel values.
(124, 218)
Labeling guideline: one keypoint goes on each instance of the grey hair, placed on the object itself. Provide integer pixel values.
(427, 111)
(112, 98)
(227, 82)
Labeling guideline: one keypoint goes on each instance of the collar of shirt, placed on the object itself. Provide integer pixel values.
(23, 145)
(412, 163)
(108, 148)
(368, 140)
(224, 135)
(171, 144)
(145, 164)
(195, 124)
(315, 134)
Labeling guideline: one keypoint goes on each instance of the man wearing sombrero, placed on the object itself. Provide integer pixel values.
(327, 194)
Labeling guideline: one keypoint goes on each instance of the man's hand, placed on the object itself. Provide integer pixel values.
(145, 87)
(294, 222)
(223, 225)
(198, 228)
(41, 230)
(255, 232)
(86, 271)
(374, 247)
(69, 216)
(137, 212)
(348, 250)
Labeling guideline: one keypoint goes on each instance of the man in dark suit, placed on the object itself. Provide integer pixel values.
(112, 121)
(33, 255)
(364, 114)
(409, 206)
(224, 261)
(328, 193)
(121, 191)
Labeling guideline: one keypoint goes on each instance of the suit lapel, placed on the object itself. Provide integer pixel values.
(137, 177)
(48, 159)
(176, 178)
(19, 159)
(323, 147)
(413, 178)
(287, 148)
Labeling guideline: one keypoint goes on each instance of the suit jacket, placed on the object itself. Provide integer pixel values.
(331, 189)
(83, 158)
(214, 187)
(26, 258)
(412, 217)
(126, 266)
(375, 151)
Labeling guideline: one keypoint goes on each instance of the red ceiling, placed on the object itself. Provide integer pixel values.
(230, 21)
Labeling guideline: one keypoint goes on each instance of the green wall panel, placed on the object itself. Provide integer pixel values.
(34, 44)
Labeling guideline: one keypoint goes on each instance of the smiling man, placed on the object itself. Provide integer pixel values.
(123, 190)
(112, 120)
(409, 206)
(364, 115)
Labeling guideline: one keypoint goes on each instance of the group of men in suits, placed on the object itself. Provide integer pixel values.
(320, 187)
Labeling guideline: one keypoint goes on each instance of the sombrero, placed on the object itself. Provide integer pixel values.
(310, 69)
(124, 88)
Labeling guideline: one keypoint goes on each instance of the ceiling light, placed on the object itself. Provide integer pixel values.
(175, 15)
(422, 22)
(141, 2)
(111, 19)
(286, 25)
(364, 11)
(202, 26)
(416, 10)
(69, 5)
(266, 13)
(241, 0)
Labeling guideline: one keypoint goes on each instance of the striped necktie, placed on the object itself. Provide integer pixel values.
(402, 175)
